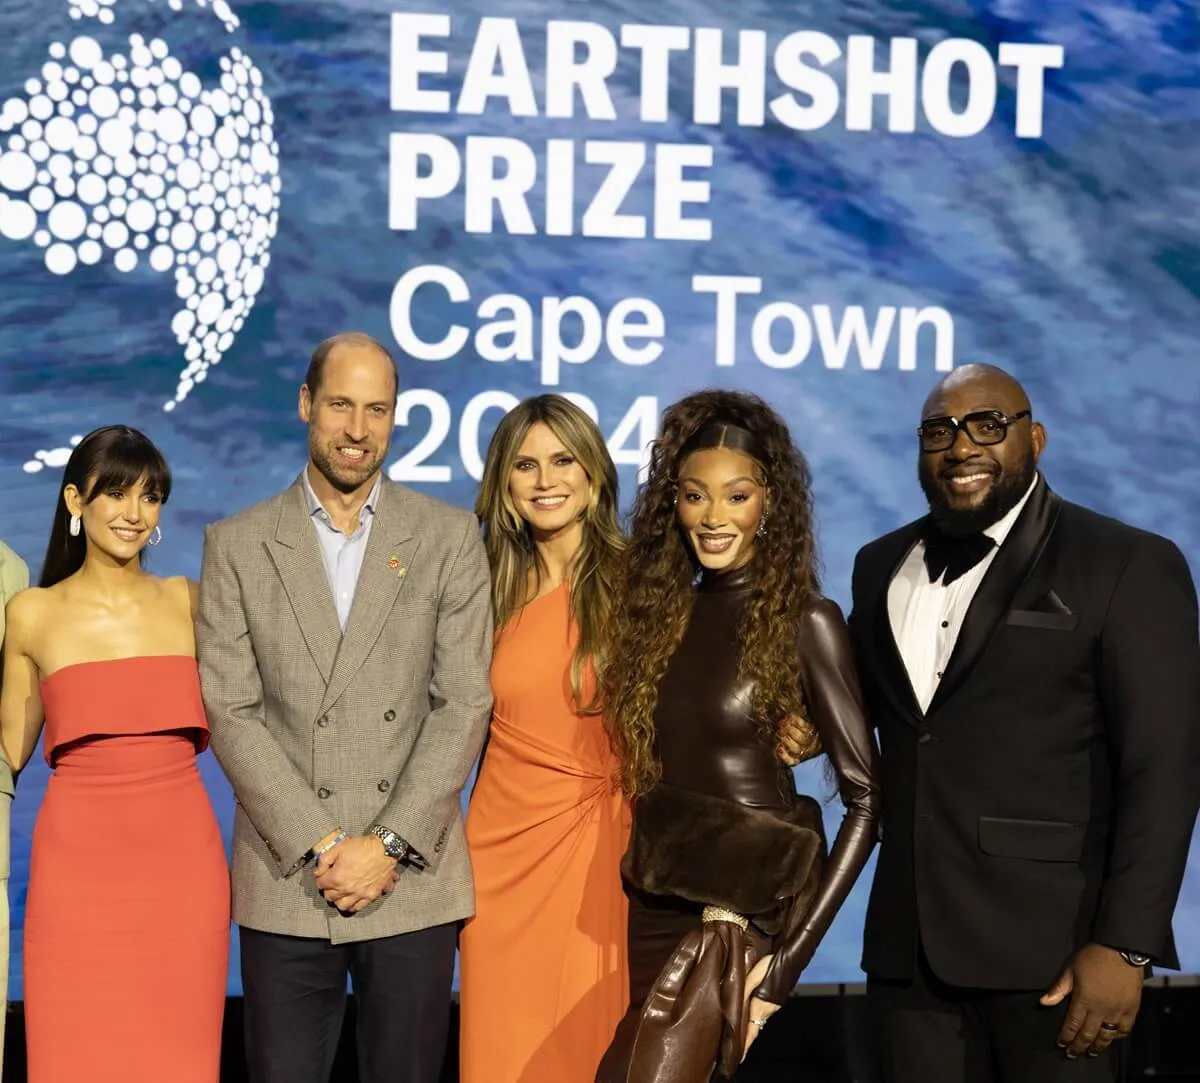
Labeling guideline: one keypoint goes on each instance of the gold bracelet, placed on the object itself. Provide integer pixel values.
(719, 913)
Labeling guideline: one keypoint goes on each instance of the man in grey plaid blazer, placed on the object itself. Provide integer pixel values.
(344, 636)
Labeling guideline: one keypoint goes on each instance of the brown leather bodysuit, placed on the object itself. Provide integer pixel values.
(709, 744)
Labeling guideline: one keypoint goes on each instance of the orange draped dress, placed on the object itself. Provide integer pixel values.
(127, 916)
(544, 972)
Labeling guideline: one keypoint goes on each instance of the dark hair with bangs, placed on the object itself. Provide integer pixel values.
(114, 457)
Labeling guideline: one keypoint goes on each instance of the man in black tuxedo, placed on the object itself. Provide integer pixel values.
(1034, 671)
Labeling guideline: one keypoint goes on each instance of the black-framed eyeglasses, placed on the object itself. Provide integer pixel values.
(984, 428)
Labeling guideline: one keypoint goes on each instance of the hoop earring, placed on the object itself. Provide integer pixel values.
(73, 528)
(155, 536)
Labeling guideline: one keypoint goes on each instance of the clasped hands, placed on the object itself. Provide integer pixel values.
(355, 872)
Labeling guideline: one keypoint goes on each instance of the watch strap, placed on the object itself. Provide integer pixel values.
(393, 845)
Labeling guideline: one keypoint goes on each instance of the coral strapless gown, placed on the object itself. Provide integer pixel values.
(127, 917)
(544, 974)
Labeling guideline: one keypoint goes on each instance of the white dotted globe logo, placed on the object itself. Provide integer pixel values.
(128, 157)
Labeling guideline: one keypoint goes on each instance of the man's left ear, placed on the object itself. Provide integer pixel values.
(1038, 435)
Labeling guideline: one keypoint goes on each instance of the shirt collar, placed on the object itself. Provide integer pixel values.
(315, 507)
(1001, 528)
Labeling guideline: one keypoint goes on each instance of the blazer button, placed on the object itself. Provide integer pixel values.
(323, 721)
(322, 793)
(389, 716)
(384, 785)
(926, 739)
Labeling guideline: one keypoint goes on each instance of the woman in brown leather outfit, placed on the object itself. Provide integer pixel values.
(723, 642)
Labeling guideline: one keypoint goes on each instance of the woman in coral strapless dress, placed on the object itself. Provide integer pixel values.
(127, 916)
(544, 977)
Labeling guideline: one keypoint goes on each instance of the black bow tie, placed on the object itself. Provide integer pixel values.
(954, 556)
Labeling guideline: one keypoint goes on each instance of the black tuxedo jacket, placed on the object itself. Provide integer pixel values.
(1047, 797)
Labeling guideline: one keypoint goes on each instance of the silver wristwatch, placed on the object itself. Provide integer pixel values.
(1133, 958)
(393, 845)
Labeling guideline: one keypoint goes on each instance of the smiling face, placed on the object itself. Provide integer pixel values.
(549, 488)
(350, 416)
(117, 521)
(722, 497)
(969, 487)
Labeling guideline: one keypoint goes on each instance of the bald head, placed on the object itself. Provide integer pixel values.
(979, 448)
(978, 384)
(346, 341)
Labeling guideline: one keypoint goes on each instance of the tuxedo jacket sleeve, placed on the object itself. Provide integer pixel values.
(1149, 682)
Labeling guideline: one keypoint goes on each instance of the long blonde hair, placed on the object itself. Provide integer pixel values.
(512, 555)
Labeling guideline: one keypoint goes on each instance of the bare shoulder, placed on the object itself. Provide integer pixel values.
(179, 589)
(28, 610)
(177, 592)
(30, 602)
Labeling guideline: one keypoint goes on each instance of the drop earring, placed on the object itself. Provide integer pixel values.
(73, 529)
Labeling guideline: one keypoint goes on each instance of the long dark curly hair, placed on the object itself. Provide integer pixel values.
(654, 601)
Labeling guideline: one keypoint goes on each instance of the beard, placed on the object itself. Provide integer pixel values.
(1003, 496)
(342, 479)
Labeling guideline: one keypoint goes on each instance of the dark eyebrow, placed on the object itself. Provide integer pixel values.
(331, 397)
(553, 455)
(734, 481)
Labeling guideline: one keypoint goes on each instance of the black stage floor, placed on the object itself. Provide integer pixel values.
(817, 1038)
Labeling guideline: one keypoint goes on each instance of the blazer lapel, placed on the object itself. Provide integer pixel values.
(391, 549)
(297, 557)
(1014, 564)
(889, 664)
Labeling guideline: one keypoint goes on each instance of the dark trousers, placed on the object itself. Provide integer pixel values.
(295, 997)
(931, 1032)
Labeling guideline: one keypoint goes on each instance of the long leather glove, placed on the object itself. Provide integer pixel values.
(835, 706)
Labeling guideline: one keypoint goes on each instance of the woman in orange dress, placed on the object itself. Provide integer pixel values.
(127, 916)
(544, 979)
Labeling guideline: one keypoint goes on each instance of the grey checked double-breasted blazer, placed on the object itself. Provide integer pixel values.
(317, 729)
